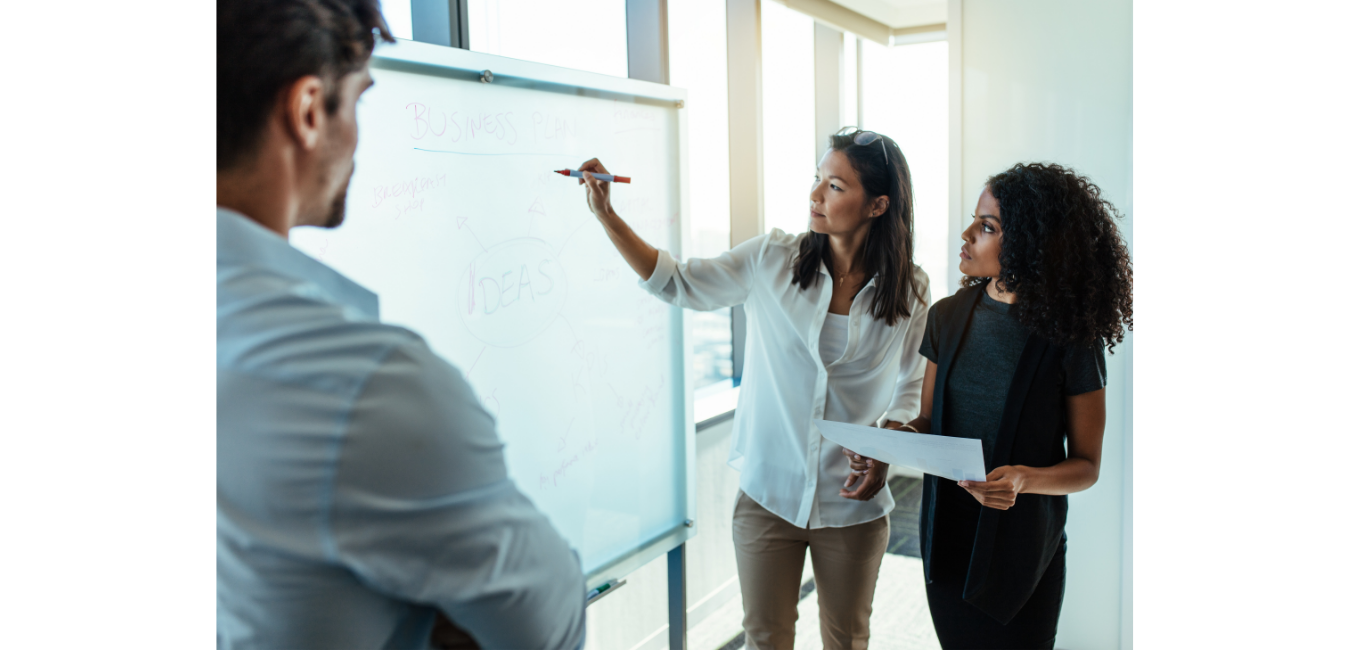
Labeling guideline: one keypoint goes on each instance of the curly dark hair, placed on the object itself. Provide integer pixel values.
(1063, 256)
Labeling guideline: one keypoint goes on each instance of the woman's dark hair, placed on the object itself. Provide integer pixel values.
(263, 46)
(888, 248)
(1063, 256)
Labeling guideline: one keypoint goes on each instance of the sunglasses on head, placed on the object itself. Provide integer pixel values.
(864, 138)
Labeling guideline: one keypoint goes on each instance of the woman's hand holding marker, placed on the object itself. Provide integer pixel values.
(640, 255)
(597, 191)
(604, 177)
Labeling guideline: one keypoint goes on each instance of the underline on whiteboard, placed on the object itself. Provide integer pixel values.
(641, 128)
(467, 153)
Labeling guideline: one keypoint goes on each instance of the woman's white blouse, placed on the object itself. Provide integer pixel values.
(833, 338)
(785, 464)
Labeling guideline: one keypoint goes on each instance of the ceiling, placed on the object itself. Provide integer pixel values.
(899, 14)
(882, 21)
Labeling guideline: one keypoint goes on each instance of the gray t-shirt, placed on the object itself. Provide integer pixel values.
(982, 372)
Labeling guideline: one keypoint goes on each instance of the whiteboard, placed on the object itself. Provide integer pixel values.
(456, 219)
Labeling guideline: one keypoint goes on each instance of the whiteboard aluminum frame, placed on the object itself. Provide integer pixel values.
(436, 60)
(449, 61)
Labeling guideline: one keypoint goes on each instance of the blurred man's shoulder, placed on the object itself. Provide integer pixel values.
(271, 324)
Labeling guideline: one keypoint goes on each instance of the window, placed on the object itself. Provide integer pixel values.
(698, 63)
(789, 110)
(593, 36)
(904, 95)
(850, 87)
(398, 15)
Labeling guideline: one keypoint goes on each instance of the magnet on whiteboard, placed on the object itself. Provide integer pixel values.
(688, 523)
(486, 77)
(679, 103)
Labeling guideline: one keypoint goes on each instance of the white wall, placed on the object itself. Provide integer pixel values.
(1051, 80)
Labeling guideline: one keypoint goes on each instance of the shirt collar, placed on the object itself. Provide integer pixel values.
(240, 240)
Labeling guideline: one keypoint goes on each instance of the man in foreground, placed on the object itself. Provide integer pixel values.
(360, 486)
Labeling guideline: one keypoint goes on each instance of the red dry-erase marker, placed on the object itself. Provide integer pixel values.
(598, 176)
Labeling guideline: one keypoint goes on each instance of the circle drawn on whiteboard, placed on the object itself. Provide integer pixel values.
(512, 292)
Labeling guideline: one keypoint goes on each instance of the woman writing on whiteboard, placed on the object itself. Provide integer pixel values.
(834, 320)
(1015, 359)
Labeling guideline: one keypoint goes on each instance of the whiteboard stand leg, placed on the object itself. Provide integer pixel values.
(679, 635)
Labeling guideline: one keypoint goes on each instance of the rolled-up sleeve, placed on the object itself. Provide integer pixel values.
(704, 284)
(908, 395)
(423, 509)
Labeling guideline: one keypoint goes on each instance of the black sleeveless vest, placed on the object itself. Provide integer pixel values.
(1013, 547)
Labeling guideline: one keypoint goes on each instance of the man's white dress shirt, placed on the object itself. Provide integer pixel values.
(360, 486)
(785, 464)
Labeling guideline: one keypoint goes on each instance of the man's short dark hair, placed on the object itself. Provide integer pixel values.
(263, 46)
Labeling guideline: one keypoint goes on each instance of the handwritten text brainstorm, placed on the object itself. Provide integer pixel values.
(408, 188)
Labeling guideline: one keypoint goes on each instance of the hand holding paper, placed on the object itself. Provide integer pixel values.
(1000, 489)
(958, 459)
(869, 476)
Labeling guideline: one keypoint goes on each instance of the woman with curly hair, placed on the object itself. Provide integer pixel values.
(1015, 360)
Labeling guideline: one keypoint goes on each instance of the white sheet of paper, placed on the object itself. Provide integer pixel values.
(958, 459)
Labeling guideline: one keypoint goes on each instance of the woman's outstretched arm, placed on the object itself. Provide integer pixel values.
(698, 283)
(639, 254)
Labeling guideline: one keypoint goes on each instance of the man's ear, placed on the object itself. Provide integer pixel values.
(879, 206)
(303, 111)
